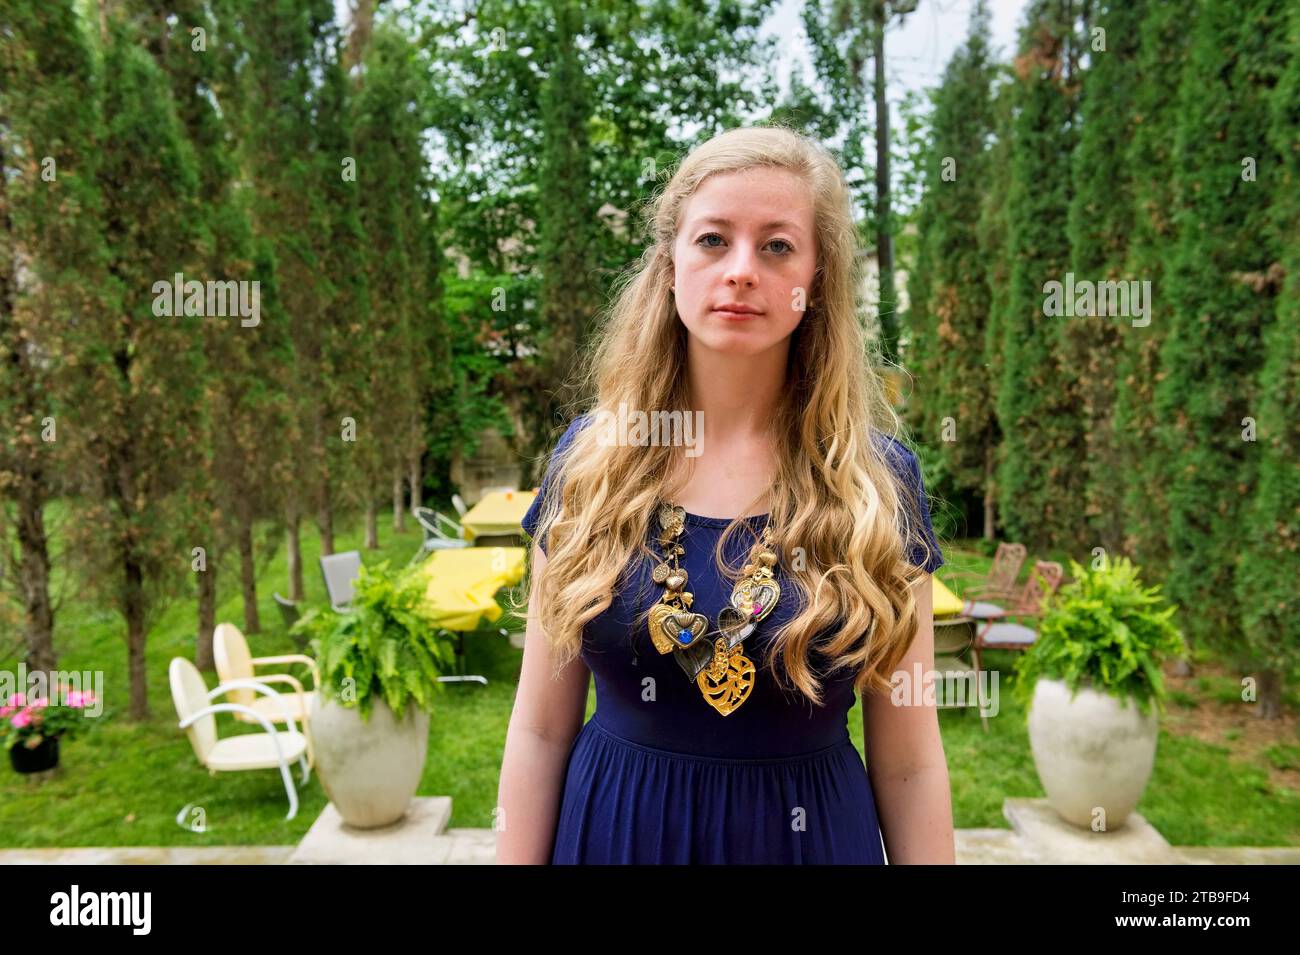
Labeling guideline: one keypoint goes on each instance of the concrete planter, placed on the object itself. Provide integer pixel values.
(1092, 752)
(370, 770)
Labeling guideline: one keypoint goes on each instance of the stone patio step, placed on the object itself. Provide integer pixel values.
(150, 855)
(416, 839)
(1038, 836)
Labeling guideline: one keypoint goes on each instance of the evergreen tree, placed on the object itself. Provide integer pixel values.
(1101, 220)
(143, 362)
(958, 401)
(1223, 300)
(1162, 57)
(1270, 563)
(1040, 479)
(51, 272)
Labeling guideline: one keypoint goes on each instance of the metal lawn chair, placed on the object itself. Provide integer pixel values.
(1003, 633)
(440, 533)
(340, 572)
(984, 598)
(270, 749)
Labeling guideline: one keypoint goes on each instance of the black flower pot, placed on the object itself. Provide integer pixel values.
(38, 759)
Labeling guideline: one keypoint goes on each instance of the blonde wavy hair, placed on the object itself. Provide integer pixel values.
(835, 495)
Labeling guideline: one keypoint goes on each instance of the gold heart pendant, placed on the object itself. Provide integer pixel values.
(667, 624)
(732, 688)
(749, 595)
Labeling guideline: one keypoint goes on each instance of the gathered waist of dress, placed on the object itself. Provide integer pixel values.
(595, 724)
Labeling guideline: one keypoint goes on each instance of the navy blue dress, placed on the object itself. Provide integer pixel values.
(657, 776)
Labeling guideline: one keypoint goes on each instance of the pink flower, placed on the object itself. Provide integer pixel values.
(21, 720)
(16, 699)
(6, 710)
(40, 702)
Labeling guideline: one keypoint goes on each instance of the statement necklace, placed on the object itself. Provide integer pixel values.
(714, 660)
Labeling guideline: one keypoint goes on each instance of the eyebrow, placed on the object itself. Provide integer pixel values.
(774, 224)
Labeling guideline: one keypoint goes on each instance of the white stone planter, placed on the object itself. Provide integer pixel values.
(369, 769)
(1092, 752)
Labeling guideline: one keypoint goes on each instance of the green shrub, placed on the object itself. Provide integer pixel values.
(386, 645)
(1105, 631)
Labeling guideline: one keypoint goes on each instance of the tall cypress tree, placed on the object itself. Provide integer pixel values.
(570, 292)
(1162, 57)
(387, 128)
(1040, 481)
(344, 296)
(1270, 565)
(144, 368)
(51, 271)
(958, 416)
(198, 54)
(278, 149)
(994, 243)
(1101, 219)
(1223, 303)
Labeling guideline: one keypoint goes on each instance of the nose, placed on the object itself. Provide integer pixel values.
(741, 267)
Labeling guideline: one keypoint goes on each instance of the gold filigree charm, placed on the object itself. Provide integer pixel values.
(727, 681)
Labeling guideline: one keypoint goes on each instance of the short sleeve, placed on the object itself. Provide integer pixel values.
(533, 516)
(923, 547)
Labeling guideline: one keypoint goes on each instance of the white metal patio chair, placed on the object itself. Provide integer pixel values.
(440, 533)
(270, 749)
(236, 663)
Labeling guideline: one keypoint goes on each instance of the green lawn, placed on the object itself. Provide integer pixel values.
(123, 784)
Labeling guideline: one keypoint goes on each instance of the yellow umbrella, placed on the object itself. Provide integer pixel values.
(500, 512)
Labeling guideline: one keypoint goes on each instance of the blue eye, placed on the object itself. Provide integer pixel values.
(713, 235)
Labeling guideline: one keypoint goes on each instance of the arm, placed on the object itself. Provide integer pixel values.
(547, 715)
(906, 762)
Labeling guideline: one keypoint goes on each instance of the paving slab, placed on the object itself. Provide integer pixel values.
(1054, 841)
(416, 839)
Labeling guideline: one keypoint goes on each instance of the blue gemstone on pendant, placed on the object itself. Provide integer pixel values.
(684, 636)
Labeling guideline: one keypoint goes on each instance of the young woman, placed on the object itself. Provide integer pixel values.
(731, 596)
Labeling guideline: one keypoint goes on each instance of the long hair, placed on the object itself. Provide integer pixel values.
(835, 506)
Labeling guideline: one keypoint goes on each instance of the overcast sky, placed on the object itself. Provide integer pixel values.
(915, 51)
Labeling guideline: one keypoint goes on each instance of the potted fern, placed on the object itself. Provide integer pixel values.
(379, 662)
(1094, 689)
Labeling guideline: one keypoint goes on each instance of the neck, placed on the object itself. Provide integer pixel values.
(738, 395)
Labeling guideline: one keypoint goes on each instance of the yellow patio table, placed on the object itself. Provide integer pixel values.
(499, 512)
(463, 583)
(462, 588)
(946, 603)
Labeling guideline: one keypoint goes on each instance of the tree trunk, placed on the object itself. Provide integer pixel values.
(295, 554)
(203, 658)
(1270, 695)
(34, 574)
(417, 480)
(325, 519)
(134, 606)
(248, 575)
(325, 500)
(399, 515)
(990, 499)
(888, 308)
(372, 523)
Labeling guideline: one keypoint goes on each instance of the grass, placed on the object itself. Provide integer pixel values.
(123, 784)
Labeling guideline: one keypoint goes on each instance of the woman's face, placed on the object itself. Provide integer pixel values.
(746, 239)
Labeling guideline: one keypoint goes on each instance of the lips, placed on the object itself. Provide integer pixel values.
(737, 308)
